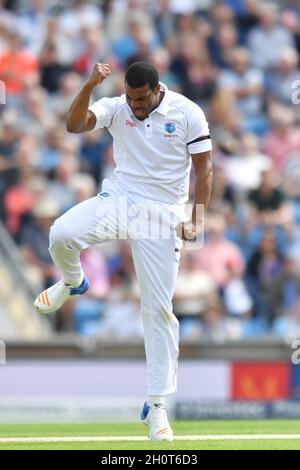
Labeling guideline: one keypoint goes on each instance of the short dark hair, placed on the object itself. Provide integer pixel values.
(140, 74)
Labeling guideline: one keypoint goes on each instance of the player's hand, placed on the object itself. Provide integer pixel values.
(188, 231)
(100, 72)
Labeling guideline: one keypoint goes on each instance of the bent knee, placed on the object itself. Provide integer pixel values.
(59, 233)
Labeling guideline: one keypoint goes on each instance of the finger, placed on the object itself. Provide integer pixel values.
(103, 66)
(190, 239)
(189, 235)
(179, 230)
(101, 69)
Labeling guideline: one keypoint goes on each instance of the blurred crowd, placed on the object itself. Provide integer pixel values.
(239, 60)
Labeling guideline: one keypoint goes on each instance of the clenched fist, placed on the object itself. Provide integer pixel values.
(100, 72)
(188, 231)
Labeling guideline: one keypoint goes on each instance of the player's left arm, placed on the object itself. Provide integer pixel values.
(203, 185)
(199, 147)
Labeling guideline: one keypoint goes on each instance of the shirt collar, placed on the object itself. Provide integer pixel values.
(164, 104)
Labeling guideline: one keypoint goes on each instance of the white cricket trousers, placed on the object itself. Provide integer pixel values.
(114, 214)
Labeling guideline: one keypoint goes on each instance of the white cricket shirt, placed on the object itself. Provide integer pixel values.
(153, 156)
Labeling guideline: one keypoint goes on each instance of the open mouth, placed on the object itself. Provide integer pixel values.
(138, 110)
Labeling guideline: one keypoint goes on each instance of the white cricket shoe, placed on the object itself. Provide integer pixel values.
(52, 298)
(155, 417)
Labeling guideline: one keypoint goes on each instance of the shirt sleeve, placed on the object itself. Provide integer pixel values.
(198, 138)
(104, 110)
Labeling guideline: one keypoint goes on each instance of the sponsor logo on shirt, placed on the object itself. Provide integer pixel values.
(130, 123)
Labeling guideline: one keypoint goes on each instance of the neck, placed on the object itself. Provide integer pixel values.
(159, 99)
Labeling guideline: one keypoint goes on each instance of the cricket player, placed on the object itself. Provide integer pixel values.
(157, 134)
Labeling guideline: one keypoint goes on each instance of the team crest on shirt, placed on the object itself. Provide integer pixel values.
(170, 127)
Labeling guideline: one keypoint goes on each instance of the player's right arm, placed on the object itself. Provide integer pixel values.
(80, 118)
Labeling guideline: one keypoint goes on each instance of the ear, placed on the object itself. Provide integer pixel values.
(157, 89)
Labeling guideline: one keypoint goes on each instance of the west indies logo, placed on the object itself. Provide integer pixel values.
(170, 127)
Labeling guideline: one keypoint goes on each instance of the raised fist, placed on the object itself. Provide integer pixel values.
(99, 73)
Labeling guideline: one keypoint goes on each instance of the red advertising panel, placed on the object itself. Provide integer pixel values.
(260, 381)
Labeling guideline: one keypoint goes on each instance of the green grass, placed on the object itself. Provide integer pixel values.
(136, 429)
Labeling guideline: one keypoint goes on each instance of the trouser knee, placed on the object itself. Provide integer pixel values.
(59, 235)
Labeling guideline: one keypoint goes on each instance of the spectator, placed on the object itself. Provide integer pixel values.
(92, 151)
(32, 24)
(282, 143)
(35, 240)
(88, 312)
(60, 102)
(122, 319)
(219, 257)
(244, 170)
(279, 83)
(138, 35)
(164, 20)
(94, 50)
(267, 200)
(18, 69)
(51, 69)
(213, 325)
(246, 85)
(9, 137)
(83, 186)
(283, 291)
(199, 84)
(80, 14)
(288, 326)
(222, 46)
(223, 193)
(265, 265)
(35, 117)
(193, 288)
(267, 40)
(61, 188)
(161, 60)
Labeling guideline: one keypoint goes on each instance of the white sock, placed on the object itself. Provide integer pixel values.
(155, 399)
